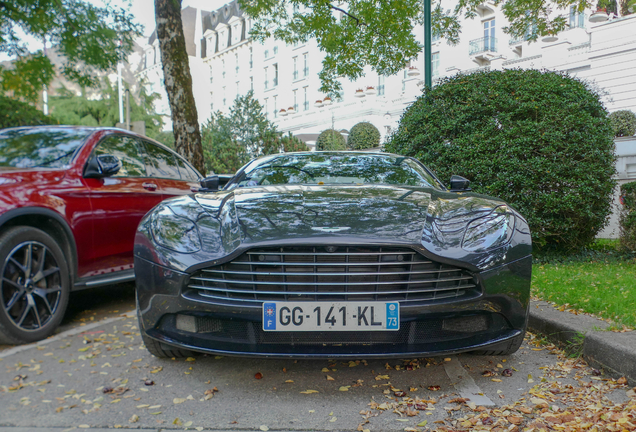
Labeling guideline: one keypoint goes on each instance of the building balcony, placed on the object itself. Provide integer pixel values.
(483, 50)
(483, 45)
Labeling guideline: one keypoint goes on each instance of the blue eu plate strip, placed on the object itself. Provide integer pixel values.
(269, 316)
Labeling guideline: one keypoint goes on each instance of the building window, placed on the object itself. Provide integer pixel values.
(435, 65)
(305, 65)
(266, 109)
(238, 91)
(305, 100)
(295, 59)
(295, 100)
(236, 34)
(223, 68)
(275, 108)
(404, 80)
(212, 103)
(251, 59)
(380, 85)
(236, 62)
(266, 54)
(266, 81)
(224, 99)
(275, 78)
(577, 20)
(252, 83)
(489, 35)
(276, 50)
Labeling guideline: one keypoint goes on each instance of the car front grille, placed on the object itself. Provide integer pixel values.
(332, 273)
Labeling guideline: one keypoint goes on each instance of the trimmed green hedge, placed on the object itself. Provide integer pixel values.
(363, 136)
(539, 140)
(330, 139)
(15, 113)
(627, 219)
(623, 123)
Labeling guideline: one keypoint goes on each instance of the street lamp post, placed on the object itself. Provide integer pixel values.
(428, 77)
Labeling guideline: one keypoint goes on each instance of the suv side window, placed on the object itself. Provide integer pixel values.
(160, 162)
(187, 172)
(127, 150)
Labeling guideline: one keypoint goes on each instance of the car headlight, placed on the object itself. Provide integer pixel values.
(490, 231)
(174, 232)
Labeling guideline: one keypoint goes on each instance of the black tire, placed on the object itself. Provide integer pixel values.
(34, 285)
(506, 348)
(161, 350)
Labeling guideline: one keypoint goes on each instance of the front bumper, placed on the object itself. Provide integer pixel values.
(487, 322)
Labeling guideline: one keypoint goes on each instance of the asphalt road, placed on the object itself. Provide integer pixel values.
(96, 373)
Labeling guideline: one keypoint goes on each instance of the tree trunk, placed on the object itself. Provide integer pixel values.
(178, 82)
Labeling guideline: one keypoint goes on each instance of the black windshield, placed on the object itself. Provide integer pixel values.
(336, 168)
(40, 147)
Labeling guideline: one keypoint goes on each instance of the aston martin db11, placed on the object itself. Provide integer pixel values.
(333, 254)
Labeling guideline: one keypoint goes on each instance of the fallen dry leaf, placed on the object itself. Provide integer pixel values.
(258, 375)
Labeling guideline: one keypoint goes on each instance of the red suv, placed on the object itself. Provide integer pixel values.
(70, 202)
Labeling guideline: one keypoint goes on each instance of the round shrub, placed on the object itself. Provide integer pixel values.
(623, 123)
(330, 139)
(363, 136)
(15, 113)
(539, 140)
(627, 218)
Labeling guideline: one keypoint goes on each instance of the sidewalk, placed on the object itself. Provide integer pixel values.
(613, 352)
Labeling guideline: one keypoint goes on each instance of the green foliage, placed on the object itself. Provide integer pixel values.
(330, 140)
(359, 33)
(623, 123)
(363, 136)
(291, 143)
(16, 113)
(89, 37)
(71, 109)
(27, 77)
(608, 5)
(231, 141)
(539, 140)
(627, 219)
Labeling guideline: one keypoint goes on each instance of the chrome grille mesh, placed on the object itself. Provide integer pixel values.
(332, 273)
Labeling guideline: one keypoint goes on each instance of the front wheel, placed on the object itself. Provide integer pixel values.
(34, 285)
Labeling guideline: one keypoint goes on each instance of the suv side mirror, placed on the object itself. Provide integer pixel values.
(459, 184)
(103, 165)
(209, 184)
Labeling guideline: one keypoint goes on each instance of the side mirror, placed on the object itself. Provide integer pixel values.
(104, 165)
(459, 184)
(209, 184)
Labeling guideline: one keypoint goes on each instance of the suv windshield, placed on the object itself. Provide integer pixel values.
(334, 168)
(40, 147)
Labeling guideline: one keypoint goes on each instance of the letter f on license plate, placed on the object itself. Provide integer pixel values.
(331, 316)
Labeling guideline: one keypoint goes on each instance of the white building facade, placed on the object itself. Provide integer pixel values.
(227, 62)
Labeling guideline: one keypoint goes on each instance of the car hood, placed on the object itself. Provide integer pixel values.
(265, 214)
(427, 219)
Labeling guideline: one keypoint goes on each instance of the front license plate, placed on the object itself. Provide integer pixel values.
(331, 316)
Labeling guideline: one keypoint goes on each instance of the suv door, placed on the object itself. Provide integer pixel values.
(169, 171)
(119, 202)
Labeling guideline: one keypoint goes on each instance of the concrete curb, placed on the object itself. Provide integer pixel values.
(601, 348)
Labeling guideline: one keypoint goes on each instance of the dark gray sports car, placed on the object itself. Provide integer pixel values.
(333, 254)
